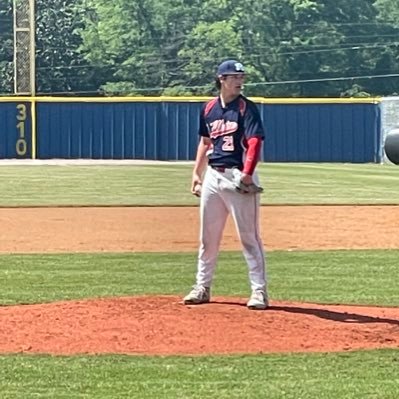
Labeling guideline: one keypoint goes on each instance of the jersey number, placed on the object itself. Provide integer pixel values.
(228, 143)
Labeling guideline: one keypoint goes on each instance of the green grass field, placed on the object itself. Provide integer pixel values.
(169, 184)
(347, 277)
(351, 277)
(294, 376)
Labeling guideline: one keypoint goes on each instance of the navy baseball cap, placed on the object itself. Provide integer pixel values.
(230, 67)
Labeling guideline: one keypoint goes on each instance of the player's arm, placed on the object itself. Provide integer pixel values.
(201, 161)
(255, 136)
(251, 159)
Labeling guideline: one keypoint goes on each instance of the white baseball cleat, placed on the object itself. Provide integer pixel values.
(258, 300)
(199, 294)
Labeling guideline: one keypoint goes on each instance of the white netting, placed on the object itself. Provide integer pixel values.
(389, 119)
(23, 31)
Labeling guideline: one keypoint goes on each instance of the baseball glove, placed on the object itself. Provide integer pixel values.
(242, 187)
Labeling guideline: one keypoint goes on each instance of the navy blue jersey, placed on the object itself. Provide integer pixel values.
(229, 128)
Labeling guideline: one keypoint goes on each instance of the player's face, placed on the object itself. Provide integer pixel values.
(233, 84)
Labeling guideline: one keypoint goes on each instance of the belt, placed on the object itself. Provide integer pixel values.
(222, 169)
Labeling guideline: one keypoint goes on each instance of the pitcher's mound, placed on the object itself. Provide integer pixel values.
(162, 325)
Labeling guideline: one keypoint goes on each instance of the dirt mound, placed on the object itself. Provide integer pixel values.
(162, 325)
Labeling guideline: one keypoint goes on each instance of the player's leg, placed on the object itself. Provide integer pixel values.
(213, 216)
(246, 218)
(245, 210)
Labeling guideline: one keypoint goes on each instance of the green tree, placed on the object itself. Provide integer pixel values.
(306, 41)
(159, 46)
(137, 43)
(60, 67)
(388, 31)
(289, 47)
(320, 42)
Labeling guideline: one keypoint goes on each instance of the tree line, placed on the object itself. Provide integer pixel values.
(290, 48)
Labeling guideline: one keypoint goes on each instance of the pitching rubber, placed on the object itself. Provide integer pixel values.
(391, 146)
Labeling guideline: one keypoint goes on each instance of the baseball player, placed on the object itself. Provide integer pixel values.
(231, 135)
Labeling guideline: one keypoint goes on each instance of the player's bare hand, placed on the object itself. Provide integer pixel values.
(196, 185)
(197, 190)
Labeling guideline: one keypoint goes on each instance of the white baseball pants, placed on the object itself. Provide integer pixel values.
(218, 200)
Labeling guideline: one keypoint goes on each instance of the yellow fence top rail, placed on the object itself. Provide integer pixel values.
(260, 100)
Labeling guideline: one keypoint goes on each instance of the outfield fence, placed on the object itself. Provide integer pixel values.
(165, 128)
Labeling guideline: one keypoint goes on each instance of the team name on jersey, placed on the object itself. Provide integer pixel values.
(221, 128)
